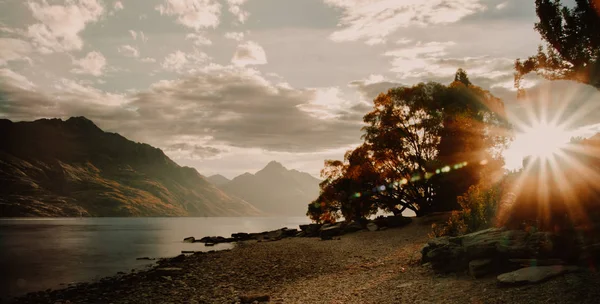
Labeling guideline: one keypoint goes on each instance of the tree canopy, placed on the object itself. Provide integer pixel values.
(572, 38)
(423, 146)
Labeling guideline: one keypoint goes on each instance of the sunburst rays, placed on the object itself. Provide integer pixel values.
(557, 184)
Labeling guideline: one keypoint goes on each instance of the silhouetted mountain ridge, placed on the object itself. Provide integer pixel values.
(276, 190)
(51, 167)
(218, 179)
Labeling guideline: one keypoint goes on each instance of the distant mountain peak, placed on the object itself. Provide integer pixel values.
(274, 165)
(83, 123)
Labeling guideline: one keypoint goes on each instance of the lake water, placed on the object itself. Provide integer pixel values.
(37, 254)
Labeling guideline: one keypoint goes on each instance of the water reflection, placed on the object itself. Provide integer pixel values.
(36, 254)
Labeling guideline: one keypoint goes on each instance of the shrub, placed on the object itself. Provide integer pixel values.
(481, 205)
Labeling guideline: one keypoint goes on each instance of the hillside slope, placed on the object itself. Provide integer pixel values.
(276, 190)
(51, 167)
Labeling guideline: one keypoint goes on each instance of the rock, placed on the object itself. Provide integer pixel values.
(447, 258)
(479, 268)
(311, 230)
(205, 239)
(215, 239)
(372, 226)
(190, 251)
(275, 235)
(189, 239)
(145, 258)
(397, 221)
(247, 299)
(290, 232)
(209, 244)
(241, 236)
(328, 232)
(532, 275)
(178, 259)
(301, 234)
(352, 227)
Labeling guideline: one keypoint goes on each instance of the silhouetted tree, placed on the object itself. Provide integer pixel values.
(423, 146)
(573, 43)
(461, 76)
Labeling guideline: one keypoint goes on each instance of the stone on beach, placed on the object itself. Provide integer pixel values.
(531, 275)
(372, 226)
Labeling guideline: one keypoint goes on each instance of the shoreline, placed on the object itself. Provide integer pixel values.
(361, 267)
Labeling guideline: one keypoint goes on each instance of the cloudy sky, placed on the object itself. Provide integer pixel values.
(226, 86)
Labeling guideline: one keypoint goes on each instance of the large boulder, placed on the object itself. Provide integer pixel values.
(352, 226)
(498, 245)
(397, 221)
(327, 233)
(444, 254)
(479, 268)
(290, 232)
(531, 275)
(311, 230)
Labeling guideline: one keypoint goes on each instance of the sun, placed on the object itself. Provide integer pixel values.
(540, 140)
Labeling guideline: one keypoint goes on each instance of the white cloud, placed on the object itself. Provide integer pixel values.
(15, 80)
(327, 103)
(215, 107)
(118, 6)
(198, 39)
(236, 10)
(148, 59)
(249, 53)
(374, 20)
(71, 90)
(195, 14)
(237, 36)
(133, 34)
(128, 51)
(413, 61)
(143, 37)
(13, 50)
(179, 61)
(60, 25)
(93, 63)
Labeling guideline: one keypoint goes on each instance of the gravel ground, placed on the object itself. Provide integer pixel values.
(364, 267)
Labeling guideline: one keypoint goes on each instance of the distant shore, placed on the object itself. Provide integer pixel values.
(362, 267)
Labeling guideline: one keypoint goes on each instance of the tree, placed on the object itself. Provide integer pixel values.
(573, 43)
(461, 76)
(423, 146)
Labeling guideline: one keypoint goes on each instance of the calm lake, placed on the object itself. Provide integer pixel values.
(37, 254)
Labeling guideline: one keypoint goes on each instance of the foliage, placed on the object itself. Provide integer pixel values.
(481, 207)
(573, 43)
(423, 146)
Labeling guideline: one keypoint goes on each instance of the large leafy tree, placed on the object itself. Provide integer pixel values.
(573, 43)
(423, 146)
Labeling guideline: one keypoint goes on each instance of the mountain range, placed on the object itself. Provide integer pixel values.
(275, 190)
(51, 167)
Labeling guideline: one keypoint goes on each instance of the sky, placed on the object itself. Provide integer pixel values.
(225, 86)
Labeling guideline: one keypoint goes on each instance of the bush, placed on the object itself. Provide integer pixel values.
(482, 205)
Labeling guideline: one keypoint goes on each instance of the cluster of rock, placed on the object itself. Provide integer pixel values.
(242, 236)
(529, 257)
(328, 231)
(324, 231)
